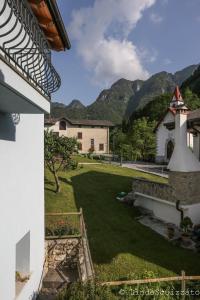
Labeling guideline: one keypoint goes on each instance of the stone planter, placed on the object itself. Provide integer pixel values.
(186, 239)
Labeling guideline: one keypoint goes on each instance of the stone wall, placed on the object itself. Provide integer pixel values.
(71, 253)
(186, 186)
(183, 186)
(154, 189)
(61, 251)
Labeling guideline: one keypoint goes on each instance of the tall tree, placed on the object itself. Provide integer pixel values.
(191, 99)
(58, 152)
(142, 139)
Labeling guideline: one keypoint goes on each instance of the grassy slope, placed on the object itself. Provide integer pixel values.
(120, 246)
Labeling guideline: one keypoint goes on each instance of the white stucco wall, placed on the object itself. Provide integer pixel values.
(100, 136)
(22, 203)
(11, 78)
(196, 147)
(166, 211)
(183, 159)
(162, 136)
(21, 171)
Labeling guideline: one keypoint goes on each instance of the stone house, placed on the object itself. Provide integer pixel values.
(29, 30)
(92, 135)
(165, 131)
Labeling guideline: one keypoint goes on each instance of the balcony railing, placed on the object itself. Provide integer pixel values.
(24, 47)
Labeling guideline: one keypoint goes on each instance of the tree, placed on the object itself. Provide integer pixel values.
(58, 152)
(191, 99)
(142, 139)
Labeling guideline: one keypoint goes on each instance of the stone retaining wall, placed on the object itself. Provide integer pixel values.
(71, 253)
(186, 186)
(182, 186)
(62, 251)
(154, 189)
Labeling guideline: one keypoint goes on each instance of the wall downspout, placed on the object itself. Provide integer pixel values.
(180, 209)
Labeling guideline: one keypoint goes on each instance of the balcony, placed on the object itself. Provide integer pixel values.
(24, 48)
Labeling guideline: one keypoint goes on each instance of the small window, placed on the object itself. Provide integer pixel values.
(80, 135)
(93, 126)
(62, 125)
(102, 126)
(80, 126)
(80, 146)
(101, 147)
(92, 144)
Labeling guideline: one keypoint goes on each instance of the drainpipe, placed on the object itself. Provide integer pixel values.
(179, 209)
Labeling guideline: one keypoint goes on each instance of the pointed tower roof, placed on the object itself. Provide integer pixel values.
(177, 95)
(177, 99)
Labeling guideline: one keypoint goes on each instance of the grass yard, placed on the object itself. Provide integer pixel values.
(120, 246)
(82, 159)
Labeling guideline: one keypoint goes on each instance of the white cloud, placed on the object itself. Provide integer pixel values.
(148, 56)
(155, 18)
(101, 34)
(167, 61)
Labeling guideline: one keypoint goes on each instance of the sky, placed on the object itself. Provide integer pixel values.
(132, 39)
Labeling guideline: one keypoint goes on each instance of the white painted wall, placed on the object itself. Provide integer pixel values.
(19, 84)
(183, 159)
(163, 135)
(166, 211)
(21, 173)
(196, 147)
(163, 210)
(22, 203)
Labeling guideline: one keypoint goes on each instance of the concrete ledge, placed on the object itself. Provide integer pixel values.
(160, 200)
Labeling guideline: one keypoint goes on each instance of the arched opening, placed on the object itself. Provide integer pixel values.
(62, 125)
(170, 149)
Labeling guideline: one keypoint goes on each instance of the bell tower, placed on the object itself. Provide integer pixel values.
(177, 99)
(184, 166)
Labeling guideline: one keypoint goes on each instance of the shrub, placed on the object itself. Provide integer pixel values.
(88, 291)
(150, 291)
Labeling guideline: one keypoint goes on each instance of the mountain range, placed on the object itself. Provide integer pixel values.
(124, 97)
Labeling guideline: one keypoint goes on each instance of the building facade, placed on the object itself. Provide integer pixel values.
(180, 197)
(29, 30)
(92, 135)
(165, 131)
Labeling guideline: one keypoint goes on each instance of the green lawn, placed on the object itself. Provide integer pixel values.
(82, 159)
(120, 246)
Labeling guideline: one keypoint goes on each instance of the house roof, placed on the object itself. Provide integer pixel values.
(171, 110)
(193, 118)
(174, 105)
(84, 122)
(194, 115)
(50, 21)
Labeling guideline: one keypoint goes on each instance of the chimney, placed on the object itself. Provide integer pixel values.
(183, 159)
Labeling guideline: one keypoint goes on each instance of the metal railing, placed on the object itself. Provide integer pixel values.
(24, 47)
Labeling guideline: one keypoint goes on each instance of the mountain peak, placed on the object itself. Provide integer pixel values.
(76, 104)
(125, 97)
